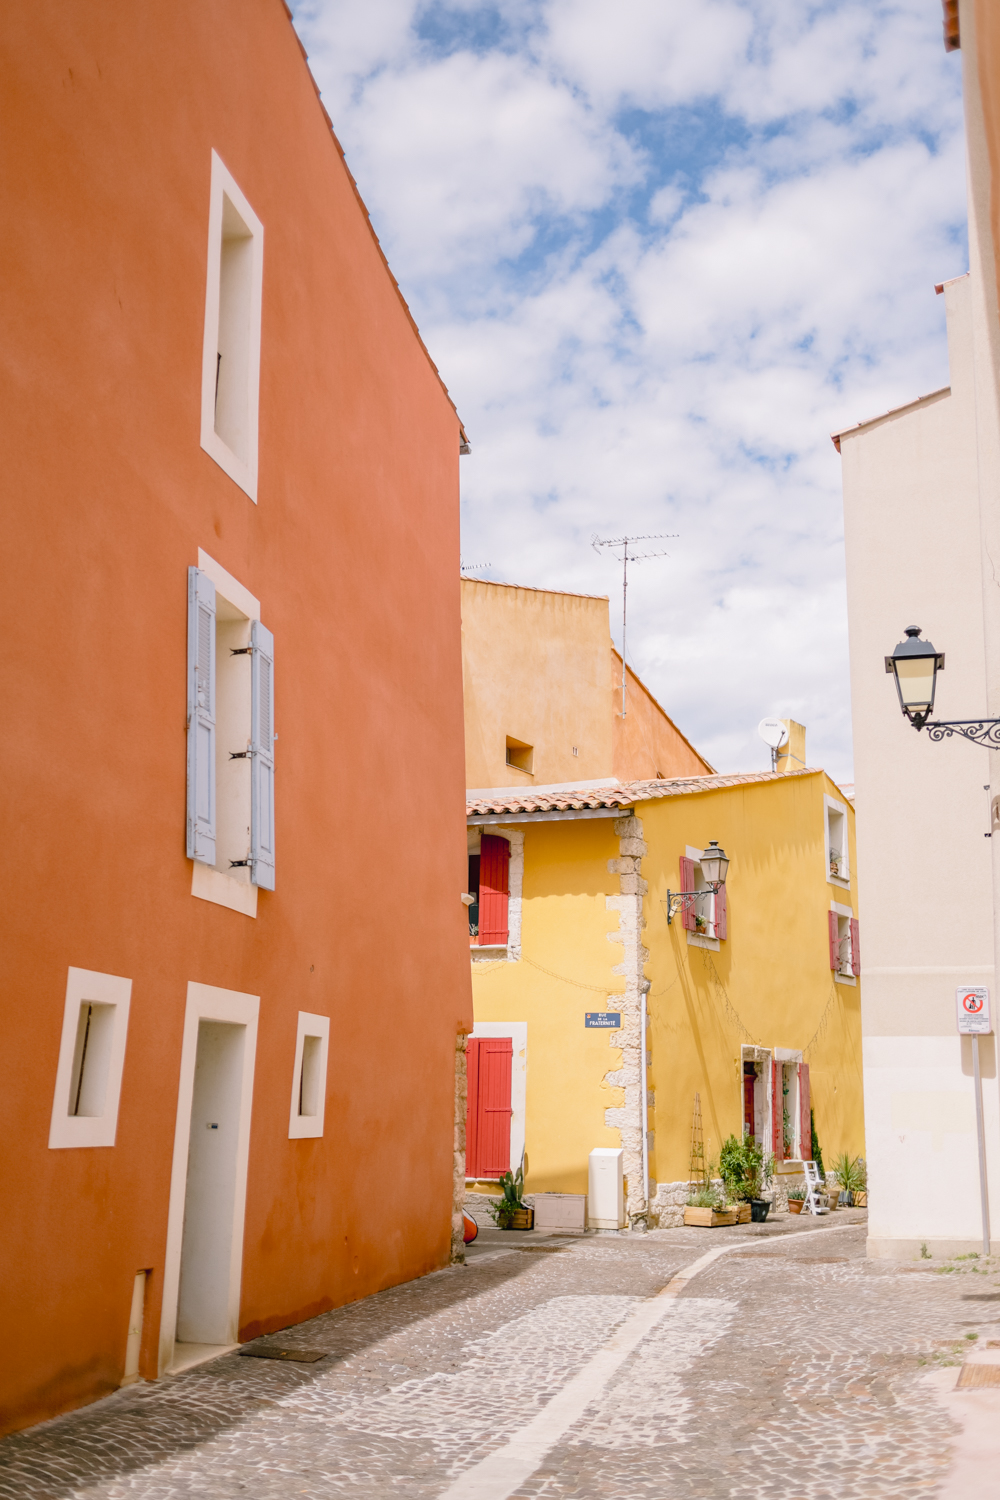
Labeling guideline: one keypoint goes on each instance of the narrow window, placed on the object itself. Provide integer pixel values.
(494, 888)
(473, 889)
(520, 755)
(231, 351)
(309, 1074)
(95, 1031)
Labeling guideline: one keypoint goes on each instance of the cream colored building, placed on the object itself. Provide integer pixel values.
(922, 525)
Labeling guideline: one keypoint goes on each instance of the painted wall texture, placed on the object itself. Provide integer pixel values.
(540, 672)
(594, 937)
(112, 114)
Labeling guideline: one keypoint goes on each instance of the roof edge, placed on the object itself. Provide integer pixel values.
(894, 411)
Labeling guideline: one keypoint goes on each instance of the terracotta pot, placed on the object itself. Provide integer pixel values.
(796, 1205)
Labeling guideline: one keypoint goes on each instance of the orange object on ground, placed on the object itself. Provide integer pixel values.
(470, 1228)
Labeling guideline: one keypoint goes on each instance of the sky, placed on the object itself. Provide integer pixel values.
(659, 251)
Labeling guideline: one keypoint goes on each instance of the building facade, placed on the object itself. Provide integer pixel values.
(920, 487)
(231, 622)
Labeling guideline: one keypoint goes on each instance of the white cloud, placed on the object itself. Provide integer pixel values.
(659, 253)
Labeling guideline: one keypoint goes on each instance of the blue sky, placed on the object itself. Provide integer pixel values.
(659, 251)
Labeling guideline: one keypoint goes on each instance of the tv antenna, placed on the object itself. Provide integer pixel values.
(465, 567)
(625, 557)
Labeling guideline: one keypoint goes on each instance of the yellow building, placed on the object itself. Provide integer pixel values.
(582, 987)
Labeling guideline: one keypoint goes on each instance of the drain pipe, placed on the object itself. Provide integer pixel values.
(644, 1103)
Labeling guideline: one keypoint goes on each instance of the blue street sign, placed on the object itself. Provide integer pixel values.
(604, 1020)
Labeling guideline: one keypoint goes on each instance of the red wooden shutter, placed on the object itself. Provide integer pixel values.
(495, 1059)
(472, 1107)
(777, 1110)
(720, 912)
(687, 884)
(855, 947)
(805, 1114)
(748, 1101)
(494, 863)
(834, 926)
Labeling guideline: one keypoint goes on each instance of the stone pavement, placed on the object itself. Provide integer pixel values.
(791, 1367)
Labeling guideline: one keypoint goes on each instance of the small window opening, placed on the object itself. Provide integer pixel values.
(844, 953)
(309, 1078)
(836, 824)
(575, 750)
(474, 891)
(519, 754)
(91, 1059)
(232, 368)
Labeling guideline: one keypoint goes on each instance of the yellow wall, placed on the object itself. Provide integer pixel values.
(770, 983)
(536, 669)
(565, 949)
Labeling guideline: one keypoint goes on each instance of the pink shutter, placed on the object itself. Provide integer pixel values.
(720, 912)
(855, 947)
(805, 1114)
(495, 1059)
(834, 940)
(687, 884)
(494, 863)
(777, 1111)
(472, 1107)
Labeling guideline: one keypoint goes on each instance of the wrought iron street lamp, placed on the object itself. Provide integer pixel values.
(915, 664)
(714, 868)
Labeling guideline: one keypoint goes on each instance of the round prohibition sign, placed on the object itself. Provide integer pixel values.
(972, 1004)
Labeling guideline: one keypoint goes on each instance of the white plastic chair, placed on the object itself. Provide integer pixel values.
(813, 1189)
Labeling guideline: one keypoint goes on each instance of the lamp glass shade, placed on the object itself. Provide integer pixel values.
(915, 665)
(714, 864)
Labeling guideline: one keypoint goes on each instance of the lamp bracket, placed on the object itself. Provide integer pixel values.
(978, 731)
(678, 901)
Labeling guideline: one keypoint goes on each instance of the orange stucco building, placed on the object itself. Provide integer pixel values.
(232, 983)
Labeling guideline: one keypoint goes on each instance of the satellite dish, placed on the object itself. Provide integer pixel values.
(773, 732)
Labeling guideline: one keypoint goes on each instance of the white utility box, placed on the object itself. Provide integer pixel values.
(606, 1199)
(561, 1211)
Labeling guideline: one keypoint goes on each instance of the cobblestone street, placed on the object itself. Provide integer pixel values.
(789, 1366)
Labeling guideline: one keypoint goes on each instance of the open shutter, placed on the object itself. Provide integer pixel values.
(855, 947)
(496, 1056)
(777, 1110)
(720, 912)
(262, 756)
(805, 1115)
(687, 884)
(201, 718)
(834, 931)
(472, 1107)
(494, 865)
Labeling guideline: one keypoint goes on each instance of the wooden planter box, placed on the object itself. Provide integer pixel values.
(523, 1219)
(744, 1214)
(712, 1218)
(861, 1199)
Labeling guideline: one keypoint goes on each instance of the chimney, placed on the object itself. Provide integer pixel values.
(792, 755)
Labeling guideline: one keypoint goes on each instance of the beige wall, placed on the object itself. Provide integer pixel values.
(536, 669)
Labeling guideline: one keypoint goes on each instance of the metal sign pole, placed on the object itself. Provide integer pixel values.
(981, 1138)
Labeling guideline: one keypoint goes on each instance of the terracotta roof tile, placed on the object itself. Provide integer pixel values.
(625, 795)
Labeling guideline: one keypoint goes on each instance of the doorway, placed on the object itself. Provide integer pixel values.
(207, 1244)
(203, 1262)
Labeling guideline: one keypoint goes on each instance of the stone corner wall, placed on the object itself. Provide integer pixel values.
(458, 1164)
(630, 1117)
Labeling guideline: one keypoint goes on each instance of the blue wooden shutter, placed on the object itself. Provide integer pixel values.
(262, 756)
(201, 718)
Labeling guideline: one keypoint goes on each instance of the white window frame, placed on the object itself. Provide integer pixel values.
(788, 1057)
(844, 913)
(831, 805)
(515, 885)
(762, 1105)
(518, 1033)
(242, 472)
(208, 883)
(67, 1130)
(309, 1127)
(206, 1002)
(704, 907)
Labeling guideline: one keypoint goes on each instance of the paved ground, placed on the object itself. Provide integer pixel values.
(790, 1367)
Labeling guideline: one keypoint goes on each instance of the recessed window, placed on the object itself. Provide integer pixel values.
(309, 1076)
(231, 351)
(576, 750)
(519, 754)
(845, 944)
(95, 1030)
(837, 858)
(91, 1059)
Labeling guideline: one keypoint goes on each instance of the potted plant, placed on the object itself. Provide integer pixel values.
(706, 1208)
(796, 1198)
(700, 924)
(758, 1171)
(850, 1173)
(510, 1211)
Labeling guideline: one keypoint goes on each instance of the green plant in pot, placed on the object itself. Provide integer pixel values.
(503, 1210)
(850, 1174)
(732, 1170)
(706, 1196)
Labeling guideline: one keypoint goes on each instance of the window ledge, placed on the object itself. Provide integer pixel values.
(699, 940)
(511, 767)
(210, 884)
(493, 949)
(844, 978)
(845, 884)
